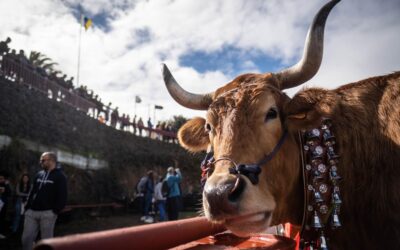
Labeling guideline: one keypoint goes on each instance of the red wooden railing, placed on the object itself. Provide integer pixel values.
(155, 236)
(13, 69)
(193, 233)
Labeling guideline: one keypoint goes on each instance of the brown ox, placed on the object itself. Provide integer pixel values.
(245, 120)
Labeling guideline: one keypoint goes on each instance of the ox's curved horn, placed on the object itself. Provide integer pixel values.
(309, 64)
(184, 98)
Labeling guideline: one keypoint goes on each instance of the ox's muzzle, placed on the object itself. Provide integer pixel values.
(222, 194)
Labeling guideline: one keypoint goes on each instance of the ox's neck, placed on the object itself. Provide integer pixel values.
(290, 204)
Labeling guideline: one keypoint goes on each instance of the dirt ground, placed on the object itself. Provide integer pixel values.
(84, 223)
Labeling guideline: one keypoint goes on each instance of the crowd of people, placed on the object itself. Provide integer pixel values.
(104, 113)
(160, 197)
(38, 202)
(162, 131)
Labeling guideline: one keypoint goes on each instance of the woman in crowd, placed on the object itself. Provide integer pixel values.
(22, 190)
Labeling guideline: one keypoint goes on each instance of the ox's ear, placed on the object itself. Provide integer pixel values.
(193, 136)
(306, 108)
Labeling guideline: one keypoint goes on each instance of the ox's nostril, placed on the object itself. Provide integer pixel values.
(237, 190)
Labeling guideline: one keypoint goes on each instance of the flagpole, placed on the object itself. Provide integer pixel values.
(135, 106)
(154, 116)
(79, 51)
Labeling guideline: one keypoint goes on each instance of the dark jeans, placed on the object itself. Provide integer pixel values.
(173, 208)
(161, 209)
(147, 203)
(140, 204)
(17, 215)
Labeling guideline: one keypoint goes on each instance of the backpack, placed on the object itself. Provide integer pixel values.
(165, 189)
(142, 185)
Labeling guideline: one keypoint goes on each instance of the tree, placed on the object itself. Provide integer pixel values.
(40, 60)
(177, 121)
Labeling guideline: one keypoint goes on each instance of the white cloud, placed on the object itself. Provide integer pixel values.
(118, 63)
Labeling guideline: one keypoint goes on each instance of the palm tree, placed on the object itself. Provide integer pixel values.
(40, 60)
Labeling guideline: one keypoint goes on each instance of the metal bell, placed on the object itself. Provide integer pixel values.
(317, 196)
(322, 242)
(317, 174)
(316, 221)
(328, 137)
(331, 153)
(334, 175)
(335, 220)
(336, 198)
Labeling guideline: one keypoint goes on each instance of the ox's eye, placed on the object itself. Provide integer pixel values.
(272, 114)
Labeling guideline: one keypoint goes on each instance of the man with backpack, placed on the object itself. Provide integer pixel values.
(173, 179)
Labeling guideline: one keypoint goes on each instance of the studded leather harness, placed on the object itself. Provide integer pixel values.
(321, 191)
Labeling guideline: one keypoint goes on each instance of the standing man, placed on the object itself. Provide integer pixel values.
(173, 178)
(134, 125)
(148, 197)
(46, 200)
(4, 49)
(140, 125)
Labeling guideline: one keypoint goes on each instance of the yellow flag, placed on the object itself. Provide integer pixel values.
(87, 22)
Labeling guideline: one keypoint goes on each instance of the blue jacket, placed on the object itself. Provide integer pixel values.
(173, 184)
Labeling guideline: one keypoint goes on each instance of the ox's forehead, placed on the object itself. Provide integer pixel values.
(246, 100)
(242, 91)
(246, 82)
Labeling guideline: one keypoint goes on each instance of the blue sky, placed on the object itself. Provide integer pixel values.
(229, 60)
(205, 43)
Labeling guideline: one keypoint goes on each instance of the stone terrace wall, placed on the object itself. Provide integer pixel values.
(28, 114)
